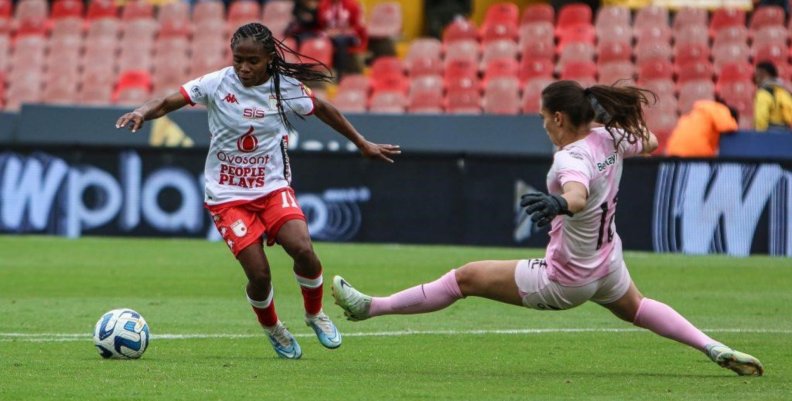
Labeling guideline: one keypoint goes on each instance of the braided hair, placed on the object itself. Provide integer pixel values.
(312, 71)
(614, 106)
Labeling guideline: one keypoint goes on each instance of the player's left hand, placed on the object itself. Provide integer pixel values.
(543, 208)
(380, 151)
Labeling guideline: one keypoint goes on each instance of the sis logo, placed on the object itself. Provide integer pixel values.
(247, 142)
(253, 113)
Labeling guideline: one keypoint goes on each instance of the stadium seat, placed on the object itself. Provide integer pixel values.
(530, 69)
(28, 55)
(502, 96)
(573, 14)
(132, 86)
(173, 10)
(241, 12)
(385, 20)
(665, 88)
(734, 72)
(463, 101)
(426, 95)
(729, 35)
(319, 48)
(207, 55)
(498, 49)
(5, 50)
(355, 82)
(5, 21)
(652, 50)
(615, 71)
(497, 31)
(657, 68)
(726, 17)
(60, 86)
(576, 51)
(615, 33)
(350, 101)
(139, 30)
(135, 58)
(460, 29)
(687, 52)
(613, 15)
(502, 13)
(575, 34)
(388, 102)
(103, 28)
(137, 9)
(613, 51)
(694, 70)
(25, 88)
(461, 50)
(175, 28)
(538, 12)
(101, 9)
(740, 95)
(651, 16)
(652, 33)
(461, 74)
(692, 91)
(581, 71)
(30, 17)
(766, 15)
(773, 52)
(387, 74)
(277, 15)
(538, 49)
(424, 57)
(770, 35)
(690, 16)
(67, 27)
(534, 32)
(501, 67)
(698, 34)
(532, 94)
(67, 9)
(730, 53)
(208, 10)
(662, 122)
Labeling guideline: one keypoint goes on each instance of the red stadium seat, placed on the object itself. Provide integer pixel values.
(463, 101)
(498, 49)
(613, 51)
(175, 28)
(538, 49)
(694, 70)
(534, 32)
(387, 74)
(726, 17)
(426, 95)
(350, 101)
(355, 82)
(25, 88)
(108, 28)
(319, 49)
(60, 86)
(579, 33)
(460, 29)
(573, 14)
(499, 68)
(652, 50)
(207, 55)
(613, 15)
(31, 17)
(580, 71)
(502, 13)
(532, 94)
(530, 69)
(67, 27)
(730, 53)
(690, 16)
(698, 34)
(734, 72)
(67, 9)
(388, 102)
(462, 50)
(101, 9)
(651, 16)
(5, 9)
(773, 52)
(770, 35)
(615, 33)
(502, 96)
(766, 15)
(495, 32)
(461, 74)
(5, 46)
(687, 52)
(207, 10)
(659, 68)
(241, 12)
(693, 91)
(137, 9)
(615, 71)
(662, 87)
(730, 35)
(573, 52)
(424, 57)
(132, 82)
(538, 12)
(385, 20)
(652, 33)
(174, 11)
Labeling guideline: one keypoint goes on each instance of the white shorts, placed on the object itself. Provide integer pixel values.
(539, 292)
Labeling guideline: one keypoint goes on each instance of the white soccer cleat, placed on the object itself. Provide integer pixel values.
(283, 342)
(354, 303)
(325, 330)
(740, 362)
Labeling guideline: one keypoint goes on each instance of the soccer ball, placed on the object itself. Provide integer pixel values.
(121, 334)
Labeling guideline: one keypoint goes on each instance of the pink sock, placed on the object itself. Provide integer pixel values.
(423, 298)
(663, 320)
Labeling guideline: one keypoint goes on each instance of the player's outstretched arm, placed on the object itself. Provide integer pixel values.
(154, 108)
(332, 117)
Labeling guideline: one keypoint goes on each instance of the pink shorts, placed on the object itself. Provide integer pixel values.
(539, 292)
(242, 224)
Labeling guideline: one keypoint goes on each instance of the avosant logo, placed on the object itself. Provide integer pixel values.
(247, 142)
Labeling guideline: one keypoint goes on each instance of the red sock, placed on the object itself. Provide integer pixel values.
(265, 310)
(312, 293)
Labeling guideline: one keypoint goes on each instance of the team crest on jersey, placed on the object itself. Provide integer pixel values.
(247, 142)
(195, 92)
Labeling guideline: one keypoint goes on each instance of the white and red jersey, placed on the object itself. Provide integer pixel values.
(585, 247)
(247, 154)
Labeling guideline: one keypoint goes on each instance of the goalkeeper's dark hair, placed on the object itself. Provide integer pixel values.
(314, 70)
(614, 106)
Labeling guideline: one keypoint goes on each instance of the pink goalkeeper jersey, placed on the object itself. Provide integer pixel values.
(247, 153)
(585, 247)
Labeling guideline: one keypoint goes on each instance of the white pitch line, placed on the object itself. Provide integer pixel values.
(66, 337)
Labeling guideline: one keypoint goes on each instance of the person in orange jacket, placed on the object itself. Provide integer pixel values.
(697, 133)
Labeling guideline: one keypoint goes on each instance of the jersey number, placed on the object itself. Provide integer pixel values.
(288, 200)
(606, 221)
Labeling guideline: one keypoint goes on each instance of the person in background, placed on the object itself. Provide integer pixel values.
(305, 24)
(584, 260)
(772, 102)
(342, 22)
(697, 133)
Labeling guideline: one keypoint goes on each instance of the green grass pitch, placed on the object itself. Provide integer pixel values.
(207, 345)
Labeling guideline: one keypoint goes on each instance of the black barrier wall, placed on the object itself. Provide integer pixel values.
(668, 206)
